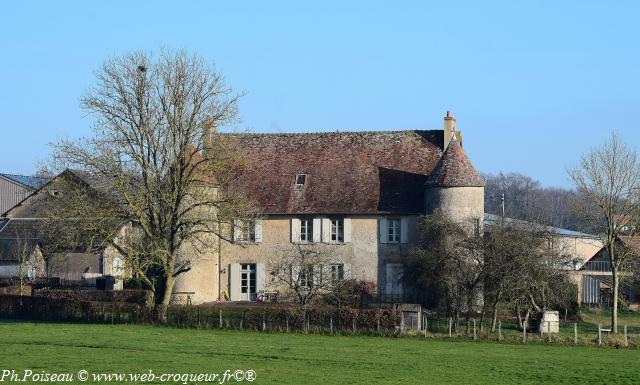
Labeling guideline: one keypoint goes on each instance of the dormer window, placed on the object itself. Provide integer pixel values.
(300, 181)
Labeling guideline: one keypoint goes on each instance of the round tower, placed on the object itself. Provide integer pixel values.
(455, 189)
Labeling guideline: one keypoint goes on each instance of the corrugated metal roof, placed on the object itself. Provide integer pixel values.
(33, 182)
(494, 220)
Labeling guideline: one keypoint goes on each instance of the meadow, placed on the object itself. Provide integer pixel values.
(279, 358)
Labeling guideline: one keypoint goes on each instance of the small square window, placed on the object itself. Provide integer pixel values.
(301, 179)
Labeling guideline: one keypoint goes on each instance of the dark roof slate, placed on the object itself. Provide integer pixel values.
(346, 172)
(455, 169)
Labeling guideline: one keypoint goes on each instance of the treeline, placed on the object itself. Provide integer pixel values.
(526, 199)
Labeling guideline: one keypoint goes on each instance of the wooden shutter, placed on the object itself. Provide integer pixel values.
(260, 278)
(317, 275)
(237, 230)
(258, 230)
(317, 230)
(347, 230)
(347, 270)
(384, 236)
(234, 281)
(295, 274)
(295, 230)
(404, 230)
(326, 230)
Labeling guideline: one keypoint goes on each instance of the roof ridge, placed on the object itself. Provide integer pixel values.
(334, 132)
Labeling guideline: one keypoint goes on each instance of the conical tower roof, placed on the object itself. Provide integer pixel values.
(454, 169)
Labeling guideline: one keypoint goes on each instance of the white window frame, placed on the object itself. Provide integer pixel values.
(248, 281)
(337, 272)
(337, 232)
(394, 230)
(249, 231)
(306, 278)
(306, 230)
(298, 186)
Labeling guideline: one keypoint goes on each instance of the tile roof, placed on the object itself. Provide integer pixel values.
(455, 169)
(346, 172)
(33, 182)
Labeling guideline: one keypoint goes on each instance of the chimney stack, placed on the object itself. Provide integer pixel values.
(449, 130)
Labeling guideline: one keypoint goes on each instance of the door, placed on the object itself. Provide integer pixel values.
(394, 280)
(248, 282)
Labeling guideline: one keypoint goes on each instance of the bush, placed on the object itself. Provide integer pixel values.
(140, 297)
(351, 293)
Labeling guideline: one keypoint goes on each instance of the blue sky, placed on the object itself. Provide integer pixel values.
(532, 84)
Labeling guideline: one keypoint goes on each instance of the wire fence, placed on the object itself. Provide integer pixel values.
(325, 320)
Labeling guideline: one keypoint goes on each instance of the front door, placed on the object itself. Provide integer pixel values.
(248, 282)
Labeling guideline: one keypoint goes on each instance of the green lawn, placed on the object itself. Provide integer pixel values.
(305, 359)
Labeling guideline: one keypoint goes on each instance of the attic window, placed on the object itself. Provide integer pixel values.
(300, 180)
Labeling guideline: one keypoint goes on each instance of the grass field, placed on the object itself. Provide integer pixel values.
(304, 359)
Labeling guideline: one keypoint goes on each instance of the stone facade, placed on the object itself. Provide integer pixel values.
(376, 183)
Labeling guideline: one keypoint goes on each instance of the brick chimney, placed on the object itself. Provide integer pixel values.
(450, 130)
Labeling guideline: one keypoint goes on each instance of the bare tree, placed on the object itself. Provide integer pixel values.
(155, 118)
(307, 271)
(448, 265)
(608, 180)
(26, 253)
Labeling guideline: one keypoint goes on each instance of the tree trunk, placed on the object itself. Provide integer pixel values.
(494, 317)
(166, 298)
(614, 295)
(520, 323)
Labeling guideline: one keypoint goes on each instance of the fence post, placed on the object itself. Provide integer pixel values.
(287, 323)
(220, 319)
(524, 331)
(450, 321)
(599, 334)
(549, 331)
(242, 321)
(575, 333)
(378, 326)
(331, 325)
(499, 330)
(354, 325)
(474, 329)
(198, 317)
(426, 326)
(626, 341)
(264, 323)
(112, 311)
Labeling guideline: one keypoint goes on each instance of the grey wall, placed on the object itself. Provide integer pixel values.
(11, 194)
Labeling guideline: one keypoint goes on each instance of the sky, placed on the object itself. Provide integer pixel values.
(533, 85)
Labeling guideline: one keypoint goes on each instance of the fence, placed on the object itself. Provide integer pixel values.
(253, 317)
(281, 318)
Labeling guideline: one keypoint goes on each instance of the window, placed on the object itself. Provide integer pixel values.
(337, 230)
(300, 181)
(306, 230)
(337, 272)
(393, 230)
(248, 281)
(306, 276)
(246, 231)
